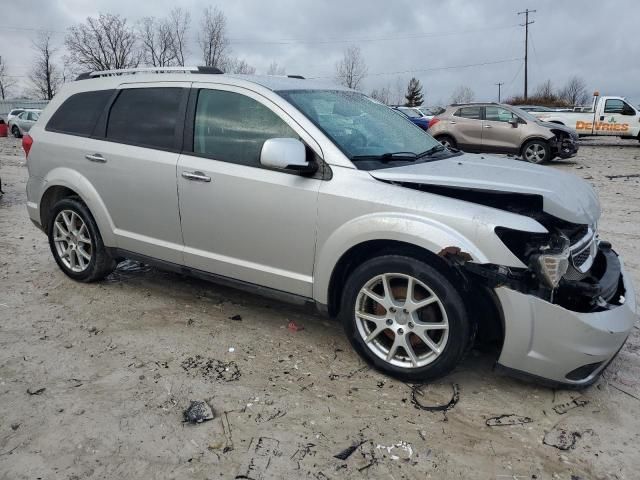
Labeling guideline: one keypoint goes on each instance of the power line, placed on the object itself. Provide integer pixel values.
(431, 69)
(526, 45)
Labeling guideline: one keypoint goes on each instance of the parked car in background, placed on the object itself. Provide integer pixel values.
(416, 116)
(500, 128)
(14, 113)
(608, 116)
(317, 194)
(22, 123)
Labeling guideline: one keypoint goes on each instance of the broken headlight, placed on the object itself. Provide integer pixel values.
(553, 263)
(545, 254)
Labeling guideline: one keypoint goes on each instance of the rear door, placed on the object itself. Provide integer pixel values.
(466, 127)
(498, 135)
(239, 219)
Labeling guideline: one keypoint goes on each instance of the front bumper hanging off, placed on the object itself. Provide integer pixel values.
(566, 345)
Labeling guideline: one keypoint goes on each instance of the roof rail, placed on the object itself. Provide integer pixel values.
(299, 77)
(132, 71)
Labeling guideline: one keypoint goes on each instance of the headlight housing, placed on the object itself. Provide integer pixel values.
(546, 254)
(551, 267)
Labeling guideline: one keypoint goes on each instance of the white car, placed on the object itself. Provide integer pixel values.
(318, 194)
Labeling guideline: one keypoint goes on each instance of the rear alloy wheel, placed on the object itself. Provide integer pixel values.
(405, 318)
(447, 141)
(76, 243)
(536, 151)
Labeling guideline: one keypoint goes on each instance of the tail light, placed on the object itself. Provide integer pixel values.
(432, 122)
(27, 142)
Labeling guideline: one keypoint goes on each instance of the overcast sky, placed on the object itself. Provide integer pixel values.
(596, 40)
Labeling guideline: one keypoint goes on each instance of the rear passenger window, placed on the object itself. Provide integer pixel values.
(232, 127)
(146, 116)
(79, 113)
(473, 113)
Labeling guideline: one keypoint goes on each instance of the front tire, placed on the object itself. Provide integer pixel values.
(76, 243)
(16, 131)
(536, 151)
(405, 318)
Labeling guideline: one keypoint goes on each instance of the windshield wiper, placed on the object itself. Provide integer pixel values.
(432, 150)
(388, 157)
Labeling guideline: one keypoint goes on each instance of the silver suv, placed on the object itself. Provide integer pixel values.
(499, 128)
(314, 193)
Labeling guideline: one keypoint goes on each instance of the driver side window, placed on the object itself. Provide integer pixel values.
(613, 105)
(498, 114)
(232, 127)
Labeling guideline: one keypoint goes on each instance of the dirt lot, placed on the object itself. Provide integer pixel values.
(94, 379)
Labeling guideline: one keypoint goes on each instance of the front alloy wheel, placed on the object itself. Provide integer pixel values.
(536, 152)
(405, 317)
(401, 320)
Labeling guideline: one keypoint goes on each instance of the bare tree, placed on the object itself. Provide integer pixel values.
(179, 21)
(275, 69)
(462, 94)
(575, 92)
(383, 95)
(213, 38)
(351, 70)
(156, 42)
(103, 43)
(545, 90)
(45, 76)
(6, 81)
(235, 65)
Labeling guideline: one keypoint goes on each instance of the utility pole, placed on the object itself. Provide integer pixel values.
(499, 84)
(526, 44)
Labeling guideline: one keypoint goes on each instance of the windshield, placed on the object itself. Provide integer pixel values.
(362, 127)
(524, 115)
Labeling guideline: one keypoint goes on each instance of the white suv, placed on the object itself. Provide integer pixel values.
(314, 193)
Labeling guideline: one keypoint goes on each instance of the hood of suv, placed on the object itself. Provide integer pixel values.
(563, 195)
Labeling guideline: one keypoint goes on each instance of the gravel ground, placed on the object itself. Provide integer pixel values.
(94, 378)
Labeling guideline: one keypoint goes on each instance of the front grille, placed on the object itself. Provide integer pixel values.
(583, 251)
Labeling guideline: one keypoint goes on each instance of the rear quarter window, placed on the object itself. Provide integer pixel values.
(79, 113)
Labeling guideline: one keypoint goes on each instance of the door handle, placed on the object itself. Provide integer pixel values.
(196, 176)
(96, 157)
(452, 123)
(487, 126)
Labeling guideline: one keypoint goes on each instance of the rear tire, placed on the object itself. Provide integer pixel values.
(415, 328)
(16, 131)
(536, 151)
(76, 243)
(447, 140)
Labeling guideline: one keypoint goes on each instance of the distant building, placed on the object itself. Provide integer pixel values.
(9, 104)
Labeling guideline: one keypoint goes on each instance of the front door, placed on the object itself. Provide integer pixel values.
(241, 220)
(615, 118)
(498, 135)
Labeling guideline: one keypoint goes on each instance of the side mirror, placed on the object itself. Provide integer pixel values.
(514, 122)
(286, 154)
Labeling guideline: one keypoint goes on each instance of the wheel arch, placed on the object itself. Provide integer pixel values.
(64, 183)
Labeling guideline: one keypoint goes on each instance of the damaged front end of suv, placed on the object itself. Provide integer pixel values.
(568, 306)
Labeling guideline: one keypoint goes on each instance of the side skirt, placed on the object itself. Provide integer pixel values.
(217, 279)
